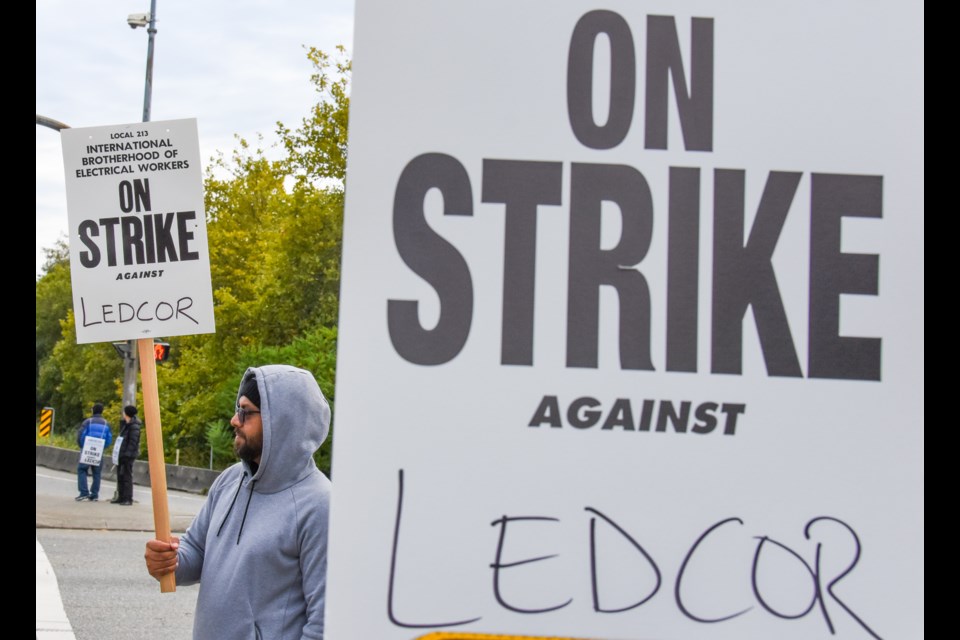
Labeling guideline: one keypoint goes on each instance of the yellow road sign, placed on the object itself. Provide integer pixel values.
(455, 635)
(46, 422)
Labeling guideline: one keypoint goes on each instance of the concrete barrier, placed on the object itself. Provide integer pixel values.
(180, 478)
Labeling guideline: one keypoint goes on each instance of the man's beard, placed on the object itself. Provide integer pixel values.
(246, 450)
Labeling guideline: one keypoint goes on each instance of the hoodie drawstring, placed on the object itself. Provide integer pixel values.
(247, 508)
(224, 521)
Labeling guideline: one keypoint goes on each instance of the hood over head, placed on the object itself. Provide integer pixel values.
(296, 421)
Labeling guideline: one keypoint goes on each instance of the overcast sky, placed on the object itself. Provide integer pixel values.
(237, 66)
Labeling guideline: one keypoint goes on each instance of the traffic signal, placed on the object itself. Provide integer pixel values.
(161, 351)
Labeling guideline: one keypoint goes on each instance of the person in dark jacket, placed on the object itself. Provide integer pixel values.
(94, 427)
(129, 443)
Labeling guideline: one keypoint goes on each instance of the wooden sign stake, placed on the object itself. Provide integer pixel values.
(158, 469)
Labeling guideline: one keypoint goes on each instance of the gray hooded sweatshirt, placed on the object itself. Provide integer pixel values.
(258, 547)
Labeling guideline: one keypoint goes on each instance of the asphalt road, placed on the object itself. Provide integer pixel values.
(96, 552)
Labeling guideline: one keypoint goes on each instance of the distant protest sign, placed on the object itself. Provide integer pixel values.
(632, 322)
(138, 241)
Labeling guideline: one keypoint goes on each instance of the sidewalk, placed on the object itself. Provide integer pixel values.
(57, 509)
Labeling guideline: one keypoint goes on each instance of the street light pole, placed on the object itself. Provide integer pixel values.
(50, 123)
(148, 84)
(130, 358)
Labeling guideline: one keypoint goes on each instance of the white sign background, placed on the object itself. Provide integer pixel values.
(158, 290)
(816, 87)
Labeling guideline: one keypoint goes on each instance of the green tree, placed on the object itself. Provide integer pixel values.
(318, 148)
(75, 376)
(54, 299)
(275, 232)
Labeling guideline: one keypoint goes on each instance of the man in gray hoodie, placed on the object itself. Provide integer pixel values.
(258, 547)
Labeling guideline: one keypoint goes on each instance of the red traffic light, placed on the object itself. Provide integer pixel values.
(161, 351)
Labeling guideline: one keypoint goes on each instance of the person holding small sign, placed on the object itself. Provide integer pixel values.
(125, 451)
(94, 437)
(258, 546)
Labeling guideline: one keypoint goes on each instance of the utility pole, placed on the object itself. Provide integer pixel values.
(130, 353)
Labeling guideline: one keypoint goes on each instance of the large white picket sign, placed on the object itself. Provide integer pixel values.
(138, 241)
(631, 335)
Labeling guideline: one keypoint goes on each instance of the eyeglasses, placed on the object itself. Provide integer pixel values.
(243, 413)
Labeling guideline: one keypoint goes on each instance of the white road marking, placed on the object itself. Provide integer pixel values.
(52, 622)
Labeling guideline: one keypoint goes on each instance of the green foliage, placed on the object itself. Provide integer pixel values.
(74, 376)
(53, 297)
(274, 230)
(53, 301)
(315, 351)
(220, 440)
(63, 440)
(318, 149)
